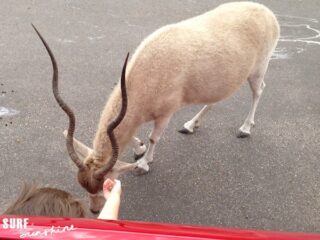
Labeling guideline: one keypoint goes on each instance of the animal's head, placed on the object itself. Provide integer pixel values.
(91, 173)
(91, 176)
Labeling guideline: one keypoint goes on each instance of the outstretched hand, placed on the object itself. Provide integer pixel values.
(111, 187)
(111, 192)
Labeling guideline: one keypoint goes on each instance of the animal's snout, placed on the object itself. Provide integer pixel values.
(94, 211)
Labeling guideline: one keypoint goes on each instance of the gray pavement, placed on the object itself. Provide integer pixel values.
(269, 181)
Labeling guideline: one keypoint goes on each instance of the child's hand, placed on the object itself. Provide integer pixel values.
(111, 187)
(111, 192)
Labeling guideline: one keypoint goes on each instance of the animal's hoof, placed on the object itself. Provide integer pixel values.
(139, 171)
(241, 134)
(185, 131)
(138, 156)
(94, 211)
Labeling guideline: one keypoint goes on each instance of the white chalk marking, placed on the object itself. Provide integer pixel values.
(66, 40)
(7, 112)
(280, 53)
(312, 38)
(91, 38)
(296, 17)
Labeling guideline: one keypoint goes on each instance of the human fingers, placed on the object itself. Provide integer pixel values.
(108, 184)
(117, 186)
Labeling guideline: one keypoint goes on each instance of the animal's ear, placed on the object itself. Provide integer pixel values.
(82, 150)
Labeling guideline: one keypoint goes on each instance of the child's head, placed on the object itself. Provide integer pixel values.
(44, 201)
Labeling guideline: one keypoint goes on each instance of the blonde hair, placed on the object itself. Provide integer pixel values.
(45, 201)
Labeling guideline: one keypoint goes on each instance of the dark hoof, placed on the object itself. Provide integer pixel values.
(139, 171)
(138, 156)
(185, 131)
(243, 134)
(94, 212)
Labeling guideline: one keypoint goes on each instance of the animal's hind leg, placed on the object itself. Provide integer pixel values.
(257, 85)
(189, 126)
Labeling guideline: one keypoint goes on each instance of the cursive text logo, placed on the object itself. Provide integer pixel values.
(47, 232)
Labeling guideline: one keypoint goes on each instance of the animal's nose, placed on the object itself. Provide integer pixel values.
(94, 211)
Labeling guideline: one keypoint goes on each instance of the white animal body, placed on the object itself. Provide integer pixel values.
(201, 60)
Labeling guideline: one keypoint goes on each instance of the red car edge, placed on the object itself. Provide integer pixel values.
(74, 228)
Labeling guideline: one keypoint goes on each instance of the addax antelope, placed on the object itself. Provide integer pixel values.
(201, 60)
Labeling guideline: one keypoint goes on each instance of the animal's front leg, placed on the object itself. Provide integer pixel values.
(159, 125)
(189, 126)
(147, 158)
(139, 148)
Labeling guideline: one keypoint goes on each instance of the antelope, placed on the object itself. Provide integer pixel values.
(201, 60)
